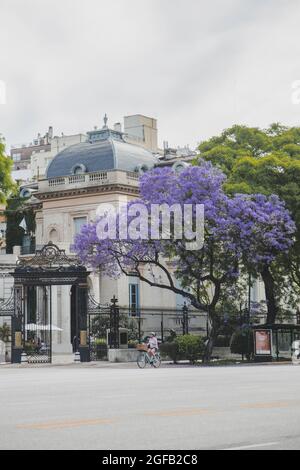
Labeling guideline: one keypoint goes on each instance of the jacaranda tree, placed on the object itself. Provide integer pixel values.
(6, 182)
(241, 230)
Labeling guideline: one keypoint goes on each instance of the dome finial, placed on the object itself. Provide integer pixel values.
(105, 119)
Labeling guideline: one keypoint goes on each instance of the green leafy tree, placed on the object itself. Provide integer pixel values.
(16, 210)
(6, 182)
(14, 205)
(264, 161)
(5, 332)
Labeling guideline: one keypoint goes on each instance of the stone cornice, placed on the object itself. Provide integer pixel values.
(36, 206)
(111, 188)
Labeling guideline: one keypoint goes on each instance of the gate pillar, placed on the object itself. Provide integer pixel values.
(81, 313)
(17, 325)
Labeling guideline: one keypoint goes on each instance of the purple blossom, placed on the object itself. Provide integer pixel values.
(252, 230)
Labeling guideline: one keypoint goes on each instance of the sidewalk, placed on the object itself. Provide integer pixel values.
(133, 365)
(78, 365)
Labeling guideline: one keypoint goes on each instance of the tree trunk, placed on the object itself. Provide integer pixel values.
(269, 283)
(211, 339)
(214, 323)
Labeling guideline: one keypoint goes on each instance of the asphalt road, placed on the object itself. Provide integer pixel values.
(69, 407)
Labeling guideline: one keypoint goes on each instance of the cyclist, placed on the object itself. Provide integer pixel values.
(152, 345)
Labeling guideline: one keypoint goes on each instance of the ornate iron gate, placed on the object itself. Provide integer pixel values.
(37, 324)
(30, 331)
(103, 328)
(98, 324)
(6, 325)
(33, 280)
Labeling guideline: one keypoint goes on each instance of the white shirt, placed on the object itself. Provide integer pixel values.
(153, 342)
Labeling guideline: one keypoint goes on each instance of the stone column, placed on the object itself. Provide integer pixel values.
(56, 318)
(61, 317)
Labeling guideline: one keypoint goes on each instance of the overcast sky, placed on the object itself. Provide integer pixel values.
(197, 66)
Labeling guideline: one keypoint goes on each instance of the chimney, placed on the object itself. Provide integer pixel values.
(50, 132)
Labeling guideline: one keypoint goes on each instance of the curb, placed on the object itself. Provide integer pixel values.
(132, 365)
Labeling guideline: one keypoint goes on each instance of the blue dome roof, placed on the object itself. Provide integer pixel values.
(104, 150)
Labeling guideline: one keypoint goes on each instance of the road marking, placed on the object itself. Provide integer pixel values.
(180, 412)
(253, 446)
(66, 424)
(268, 405)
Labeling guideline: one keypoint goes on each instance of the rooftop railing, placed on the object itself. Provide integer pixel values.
(90, 179)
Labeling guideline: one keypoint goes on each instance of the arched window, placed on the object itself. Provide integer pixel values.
(180, 165)
(79, 169)
(53, 235)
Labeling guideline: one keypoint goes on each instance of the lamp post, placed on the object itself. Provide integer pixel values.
(249, 297)
(114, 323)
(185, 320)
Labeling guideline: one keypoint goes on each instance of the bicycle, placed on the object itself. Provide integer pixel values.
(296, 353)
(144, 359)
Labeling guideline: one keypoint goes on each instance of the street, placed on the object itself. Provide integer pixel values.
(122, 407)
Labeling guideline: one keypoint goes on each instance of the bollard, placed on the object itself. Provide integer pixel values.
(24, 358)
(77, 357)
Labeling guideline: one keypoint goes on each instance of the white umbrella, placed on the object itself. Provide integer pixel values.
(53, 328)
(36, 327)
(33, 327)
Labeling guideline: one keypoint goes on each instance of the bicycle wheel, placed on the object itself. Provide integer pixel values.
(156, 361)
(141, 360)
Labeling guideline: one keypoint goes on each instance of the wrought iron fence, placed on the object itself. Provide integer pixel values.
(167, 322)
(106, 324)
(163, 321)
(5, 337)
